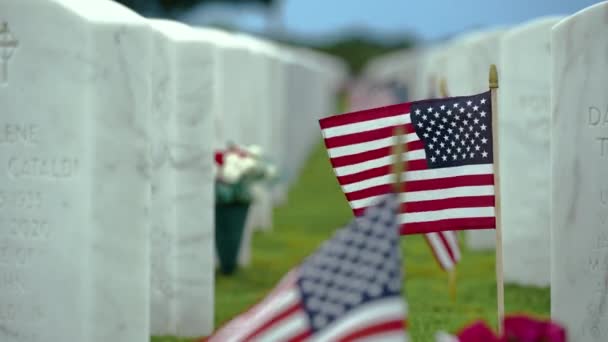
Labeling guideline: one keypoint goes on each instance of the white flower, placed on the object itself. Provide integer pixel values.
(254, 150)
(248, 164)
(231, 173)
(239, 162)
(231, 160)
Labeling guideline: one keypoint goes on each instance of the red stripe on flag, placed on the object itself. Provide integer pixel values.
(447, 246)
(450, 182)
(449, 224)
(369, 192)
(371, 330)
(367, 136)
(364, 115)
(301, 337)
(424, 185)
(447, 203)
(371, 155)
(275, 319)
(414, 165)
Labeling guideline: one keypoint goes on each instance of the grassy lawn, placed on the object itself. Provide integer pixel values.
(316, 208)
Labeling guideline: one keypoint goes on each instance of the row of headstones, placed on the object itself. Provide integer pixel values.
(109, 124)
(553, 117)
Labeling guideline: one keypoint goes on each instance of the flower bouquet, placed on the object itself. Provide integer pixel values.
(237, 169)
(515, 329)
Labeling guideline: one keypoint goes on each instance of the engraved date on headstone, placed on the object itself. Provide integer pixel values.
(598, 117)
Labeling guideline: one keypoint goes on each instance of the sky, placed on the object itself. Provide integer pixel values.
(427, 19)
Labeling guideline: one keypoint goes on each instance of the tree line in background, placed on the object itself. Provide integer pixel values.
(355, 49)
(169, 8)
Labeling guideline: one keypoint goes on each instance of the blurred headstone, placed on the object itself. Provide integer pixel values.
(579, 162)
(524, 114)
(182, 208)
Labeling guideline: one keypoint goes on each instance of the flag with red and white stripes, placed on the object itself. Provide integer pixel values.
(444, 245)
(349, 289)
(449, 177)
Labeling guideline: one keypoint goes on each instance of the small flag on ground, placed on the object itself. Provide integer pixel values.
(450, 177)
(349, 289)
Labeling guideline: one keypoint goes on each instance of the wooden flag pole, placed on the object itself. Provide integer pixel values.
(443, 92)
(443, 88)
(500, 288)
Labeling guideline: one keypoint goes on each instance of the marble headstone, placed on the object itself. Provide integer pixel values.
(230, 78)
(466, 73)
(221, 41)
(297, 94)
(75, 94)
(236, 99)
(256, 124)
(579, 153)
(308, 92)
(525, 115)
(432, 70)
(182, 203)
(279, 115)
(469, 60)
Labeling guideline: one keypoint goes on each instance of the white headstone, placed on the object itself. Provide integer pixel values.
(182, 209)
(256, 124)
(469, 60)
(75, 100)
(433, 69)
(232, 78)
(579, 153)
(310, 92)
(221, 41)
(236, 96)
(279, 115)
(524, 114)
(305, 98)
(298, 93)
(466, 73)
(258, 121)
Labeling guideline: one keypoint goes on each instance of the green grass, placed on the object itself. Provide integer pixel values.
(316, 208)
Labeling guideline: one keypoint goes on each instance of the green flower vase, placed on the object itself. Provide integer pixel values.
(229, 226)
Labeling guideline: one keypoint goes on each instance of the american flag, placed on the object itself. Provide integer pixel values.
(349, 289)
(449, 178)
(444, 244)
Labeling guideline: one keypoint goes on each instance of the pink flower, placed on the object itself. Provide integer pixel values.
(477, 332)
(526, 329)
(516, 329)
